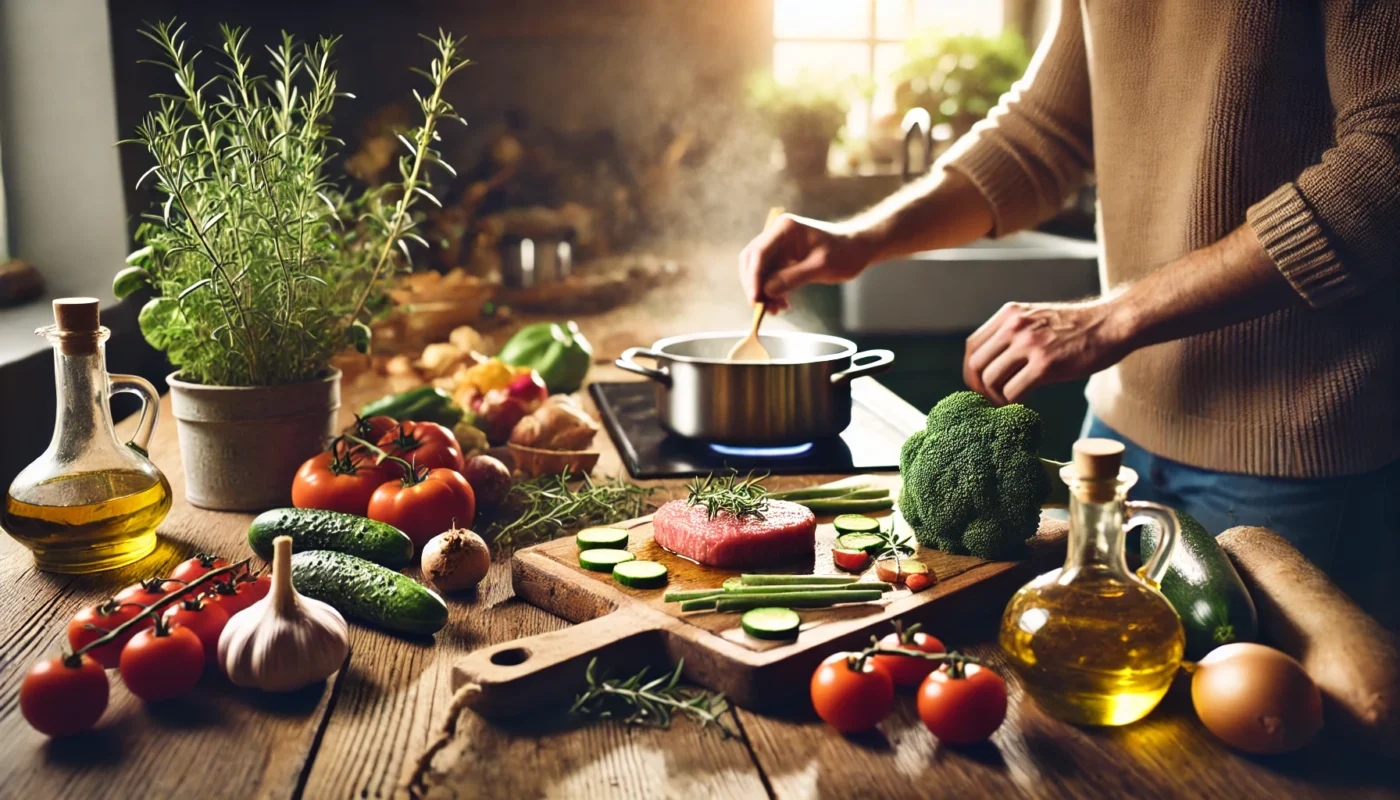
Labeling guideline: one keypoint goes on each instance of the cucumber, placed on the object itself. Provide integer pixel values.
(591, 538)
(867, 542)
(771, 623)
(1204, 588)
(856, 523)
(313, 529)
(365, 591)
(603, 559)
(640, 574)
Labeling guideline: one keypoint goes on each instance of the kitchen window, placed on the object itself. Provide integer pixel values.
(864, 40)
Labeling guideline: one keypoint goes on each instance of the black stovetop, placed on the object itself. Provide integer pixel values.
(871, 443)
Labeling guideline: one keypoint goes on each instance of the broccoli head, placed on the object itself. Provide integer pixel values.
(973, 478)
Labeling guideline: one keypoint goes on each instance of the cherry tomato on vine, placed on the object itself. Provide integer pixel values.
(206, 619)
(162, 662)
(848, 700)
(64, 695)
(425, 503)
(371, 429)
(92, 623)
(962, 704)
(424, 445)
(196, 567)
(909, 671)
(254, 589)
(149, 591)
(338, 480)
(225, 595)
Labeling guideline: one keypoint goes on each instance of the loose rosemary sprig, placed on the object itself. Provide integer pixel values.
(741, 498)
(548, 507)
(654, 703)
(892, 545)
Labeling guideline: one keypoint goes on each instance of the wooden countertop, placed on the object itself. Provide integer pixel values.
(364, 732)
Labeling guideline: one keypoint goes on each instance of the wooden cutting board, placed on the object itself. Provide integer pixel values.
(626, 629)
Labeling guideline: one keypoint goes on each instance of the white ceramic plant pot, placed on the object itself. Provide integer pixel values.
(242, 445)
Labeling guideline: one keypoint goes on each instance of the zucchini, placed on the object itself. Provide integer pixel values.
(856, 523)
(640, 574)
(602, 559)
(1204, 588)
(591, 538)
(867, 542)
(771, 623)
(365, 591)
(313, 529)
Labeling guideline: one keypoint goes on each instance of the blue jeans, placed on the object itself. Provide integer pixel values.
(1348, 526)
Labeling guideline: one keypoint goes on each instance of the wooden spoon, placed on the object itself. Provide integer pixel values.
(749, 348)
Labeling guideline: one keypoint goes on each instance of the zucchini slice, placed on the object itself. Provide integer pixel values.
(603, 559)
(640, 574)
(856, 523)
(867, 542)
(771, 623)
(593, 538)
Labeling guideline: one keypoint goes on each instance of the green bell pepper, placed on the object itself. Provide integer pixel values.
(424, 404)
(558, 352)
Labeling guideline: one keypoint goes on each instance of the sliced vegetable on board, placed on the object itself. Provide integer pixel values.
(603, 559)
(592, 538)
(771, 622)
(364, 591)
(1348, 654)
(850, 560)
(640, 574)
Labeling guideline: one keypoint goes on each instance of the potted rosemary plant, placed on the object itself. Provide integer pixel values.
(263, 264)
(806, 115)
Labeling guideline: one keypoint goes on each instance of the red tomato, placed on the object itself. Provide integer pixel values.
(424, 445)
(196, 567)
(963, 710)
(254, 589)
(850, 701)
(437, 501)
(225, 595)
(63, 695)
(909, 671)
(149, 591)
(162, 662)
(372, 429)
(92, 623)
(334, 482)
(206, 619)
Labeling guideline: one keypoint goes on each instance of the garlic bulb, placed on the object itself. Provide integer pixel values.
(284, 641)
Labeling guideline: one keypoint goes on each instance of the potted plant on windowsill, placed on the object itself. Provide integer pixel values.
(806, 115)
(264, 266)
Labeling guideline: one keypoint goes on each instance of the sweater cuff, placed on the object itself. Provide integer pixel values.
(1293, 237)
(996, 173)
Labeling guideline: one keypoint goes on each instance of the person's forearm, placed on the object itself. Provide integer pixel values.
(941, 210)
(1230, 281)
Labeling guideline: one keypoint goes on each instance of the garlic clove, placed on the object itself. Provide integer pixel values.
(285, 641)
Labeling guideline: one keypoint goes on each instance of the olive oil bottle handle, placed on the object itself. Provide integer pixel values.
(150, 407)
(1165, 519)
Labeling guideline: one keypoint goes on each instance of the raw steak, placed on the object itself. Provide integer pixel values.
(787, 532)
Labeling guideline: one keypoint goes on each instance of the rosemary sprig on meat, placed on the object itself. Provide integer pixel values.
(655, 702)
(548, 507)
(740, 497)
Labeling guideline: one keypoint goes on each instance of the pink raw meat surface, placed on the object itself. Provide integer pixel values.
(787, 532)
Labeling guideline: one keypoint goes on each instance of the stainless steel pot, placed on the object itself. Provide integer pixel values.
(802, 393)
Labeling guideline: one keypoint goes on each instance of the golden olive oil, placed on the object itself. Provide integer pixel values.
(89, 521)
(1091, 647)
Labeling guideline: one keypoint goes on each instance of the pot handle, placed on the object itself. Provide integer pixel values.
(882, 362)
(659, 374)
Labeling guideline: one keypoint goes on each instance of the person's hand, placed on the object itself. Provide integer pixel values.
(795, 251)
(1025, 345)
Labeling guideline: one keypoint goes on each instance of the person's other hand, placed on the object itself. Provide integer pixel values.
(1025, 345)
(795, 251)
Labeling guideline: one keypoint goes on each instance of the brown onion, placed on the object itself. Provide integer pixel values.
(1255, 698)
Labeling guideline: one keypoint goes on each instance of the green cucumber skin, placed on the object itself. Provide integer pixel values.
(313, 529)
(1215, 607)
(365, 591)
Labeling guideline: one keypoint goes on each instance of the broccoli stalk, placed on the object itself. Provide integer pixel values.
(974, 482)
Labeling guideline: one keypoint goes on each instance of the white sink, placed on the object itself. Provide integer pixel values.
(955, 291)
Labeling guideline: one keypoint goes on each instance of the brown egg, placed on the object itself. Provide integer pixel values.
(1255, 698)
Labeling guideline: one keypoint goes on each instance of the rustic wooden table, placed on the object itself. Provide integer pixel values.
(364, 733)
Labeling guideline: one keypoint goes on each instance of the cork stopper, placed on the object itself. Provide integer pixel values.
(77, 322)
(1094, 467)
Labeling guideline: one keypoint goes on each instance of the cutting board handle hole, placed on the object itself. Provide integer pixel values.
(510, 657)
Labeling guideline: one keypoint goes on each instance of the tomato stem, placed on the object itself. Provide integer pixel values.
(152, 610)
(956, 661)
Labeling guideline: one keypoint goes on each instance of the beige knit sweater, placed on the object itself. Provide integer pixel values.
(1198, 116)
